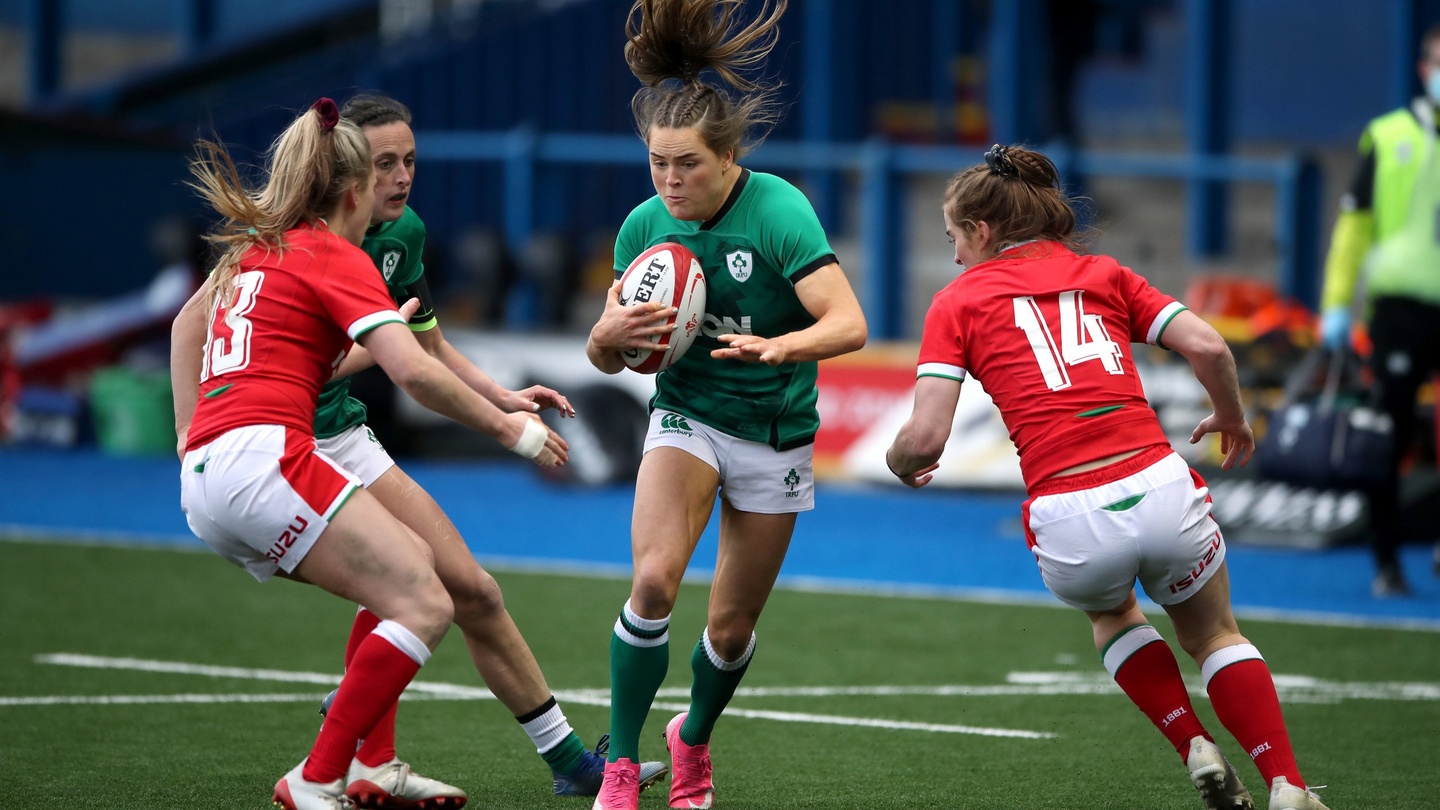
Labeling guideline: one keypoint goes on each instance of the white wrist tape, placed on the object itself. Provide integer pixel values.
(532, 441)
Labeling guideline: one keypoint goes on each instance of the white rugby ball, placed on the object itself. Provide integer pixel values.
(669, 273)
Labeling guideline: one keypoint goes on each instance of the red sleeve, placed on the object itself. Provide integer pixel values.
(352, 293)
(942, 352)
(1150, 309)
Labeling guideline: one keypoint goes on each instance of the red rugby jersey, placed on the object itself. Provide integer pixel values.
(1047, 332)
(283, 330)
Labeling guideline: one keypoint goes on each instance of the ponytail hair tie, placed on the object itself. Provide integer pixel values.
(329, 113)
(998, 159)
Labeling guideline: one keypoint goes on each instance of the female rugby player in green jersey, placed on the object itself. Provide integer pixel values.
(394, 242)
(736, 415)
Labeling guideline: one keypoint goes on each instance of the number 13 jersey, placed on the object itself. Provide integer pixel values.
(1047, 332)
(282, 331)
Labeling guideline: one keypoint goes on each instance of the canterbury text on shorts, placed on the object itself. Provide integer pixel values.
(357, 450)
(1152, 524)
(261, 495)
(754, 477)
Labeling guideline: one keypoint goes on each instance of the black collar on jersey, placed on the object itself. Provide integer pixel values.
(729, 201)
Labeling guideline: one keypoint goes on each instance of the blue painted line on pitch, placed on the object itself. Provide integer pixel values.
(938, 541)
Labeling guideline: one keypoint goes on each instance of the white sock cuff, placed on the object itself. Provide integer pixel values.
(548, 730)
(720, 663)
(638, 632)
(1126, 644)
(404, 641)
(1224, 657)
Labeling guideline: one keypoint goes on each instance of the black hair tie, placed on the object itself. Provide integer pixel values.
(998, 159)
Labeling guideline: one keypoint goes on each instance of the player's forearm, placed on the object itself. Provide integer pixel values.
(914, 449)
(479, 382)
(435, 387)
(1217, 375)
(607, 360)
(834, 334)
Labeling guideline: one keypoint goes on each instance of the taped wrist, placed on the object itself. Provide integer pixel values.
(532, 441)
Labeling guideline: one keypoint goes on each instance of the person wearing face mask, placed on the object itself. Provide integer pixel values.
(1387, 227)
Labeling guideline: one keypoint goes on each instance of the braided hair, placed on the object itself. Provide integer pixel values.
(670, 43)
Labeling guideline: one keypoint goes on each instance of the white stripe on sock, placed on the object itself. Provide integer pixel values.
(628, 615)
(548, 730)
(1224, 657)
(1127, 644)
(720, 663)
(404, 641)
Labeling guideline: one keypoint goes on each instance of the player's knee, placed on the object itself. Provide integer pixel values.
(652, 596)
(433, 608)
(476, 596)
(730, 641)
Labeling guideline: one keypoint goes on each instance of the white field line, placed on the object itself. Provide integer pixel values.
(1291, 689)
(435, 691)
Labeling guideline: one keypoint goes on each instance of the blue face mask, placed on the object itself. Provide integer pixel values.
(1432, 84)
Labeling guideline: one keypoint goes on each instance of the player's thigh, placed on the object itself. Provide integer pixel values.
(417, 509)
(1206, 619)
(674, 498)
(752, 549)
(366, 556)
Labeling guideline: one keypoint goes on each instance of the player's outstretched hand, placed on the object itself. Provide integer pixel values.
(750, 348)
(1237, 440)
(537, 398)
(526, 436)
(630, 327)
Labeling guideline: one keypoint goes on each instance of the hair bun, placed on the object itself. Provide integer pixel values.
(998, 159)
(329, 113)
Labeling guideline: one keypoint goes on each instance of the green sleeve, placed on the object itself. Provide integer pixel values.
(629, 242)
(792, 234)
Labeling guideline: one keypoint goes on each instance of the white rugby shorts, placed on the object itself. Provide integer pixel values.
(754, 477)
(358, 451)
(1152, 524)
(261, 495)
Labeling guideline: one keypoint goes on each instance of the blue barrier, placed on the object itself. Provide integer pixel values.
(880, 165)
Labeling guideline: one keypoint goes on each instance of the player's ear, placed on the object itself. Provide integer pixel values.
(982, 234)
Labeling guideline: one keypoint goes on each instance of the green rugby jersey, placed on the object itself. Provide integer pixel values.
(763, 240)
(395, 248)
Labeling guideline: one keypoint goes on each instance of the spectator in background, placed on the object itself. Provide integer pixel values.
(290, 294)
(394, 240)
(1388, 227)
(1046, 331)
(737, 414)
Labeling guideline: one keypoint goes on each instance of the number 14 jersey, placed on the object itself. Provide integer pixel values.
(1047, 332)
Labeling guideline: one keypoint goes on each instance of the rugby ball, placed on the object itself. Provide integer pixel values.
(669, 273)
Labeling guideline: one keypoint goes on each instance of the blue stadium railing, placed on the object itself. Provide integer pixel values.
(881, 166)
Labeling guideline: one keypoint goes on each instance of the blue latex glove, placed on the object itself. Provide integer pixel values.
(1335, 328)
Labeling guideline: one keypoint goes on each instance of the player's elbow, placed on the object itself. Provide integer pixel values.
(417, 375)
(854, 336)
(1206, 348)
(858, 336)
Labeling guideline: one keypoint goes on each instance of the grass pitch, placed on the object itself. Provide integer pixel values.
(148, 678)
